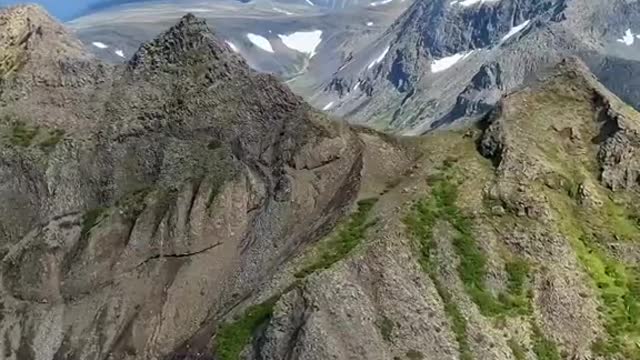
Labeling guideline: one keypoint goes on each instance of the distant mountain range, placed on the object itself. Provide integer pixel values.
(401, 66)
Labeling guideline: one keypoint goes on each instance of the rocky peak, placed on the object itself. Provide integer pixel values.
(29, 35)
(188, 38)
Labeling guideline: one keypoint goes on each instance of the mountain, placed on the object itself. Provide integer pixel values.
(181, 205)
(140, 202)
(446, 62)
(287, 38)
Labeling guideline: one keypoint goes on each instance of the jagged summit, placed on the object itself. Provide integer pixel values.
(191, 36)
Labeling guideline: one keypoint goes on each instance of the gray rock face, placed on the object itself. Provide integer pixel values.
(450, 61)
(141, 202)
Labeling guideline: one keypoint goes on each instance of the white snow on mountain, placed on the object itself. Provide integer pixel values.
(260, 41)
(627, 38)
(119, 53)
(467, 3)
(100, 45)
(514, 30)
(232, 46)
(328, 106)
(303, 41)
(282, 11)
(447, 62)
(381, 2)
(379, 58)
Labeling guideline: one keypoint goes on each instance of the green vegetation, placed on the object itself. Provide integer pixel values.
(217, 177)
(544, 348)
(133, 204)
(386, 327)
(519, 353)
(458, 322)
(22, 134)
(473, 262)
(53, 138)
(517, 298)
(441, 206)
(420, 223)
(620, 221)
(617, 284)
(233, 337)
(349, 235)
(90, 219)
(414, 355)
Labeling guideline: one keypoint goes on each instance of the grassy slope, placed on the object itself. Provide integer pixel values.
(537, 119)
(233, 336)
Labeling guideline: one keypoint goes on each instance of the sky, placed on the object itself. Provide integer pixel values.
(66, 9)
(62, 9)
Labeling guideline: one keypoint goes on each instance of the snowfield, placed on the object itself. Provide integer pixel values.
(260, 41)
(303, 41)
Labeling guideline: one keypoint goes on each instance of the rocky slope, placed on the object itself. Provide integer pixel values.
(181, 206)
(445, 62)
(141, 202)
(517, 239)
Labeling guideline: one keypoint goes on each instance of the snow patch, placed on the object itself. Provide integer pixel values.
(120, 53)
(356, 86)
(310, 3)
(467, 3)
(328, 106)
(379, 58)
(447, 62)
(628, 39)
(283, 11)
(260, 41)
(197, 10)
(232, 46)
(369, 23)
(100, 45)
(514, 30)
(381, 2)
(303, 41)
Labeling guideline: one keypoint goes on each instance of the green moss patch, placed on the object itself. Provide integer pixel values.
(386, 327)
(90, 219)
(347, 238)
(518, 351)
(232, 337)
(544, 348)
(52, 138)
(617, 284)
(23, 134)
